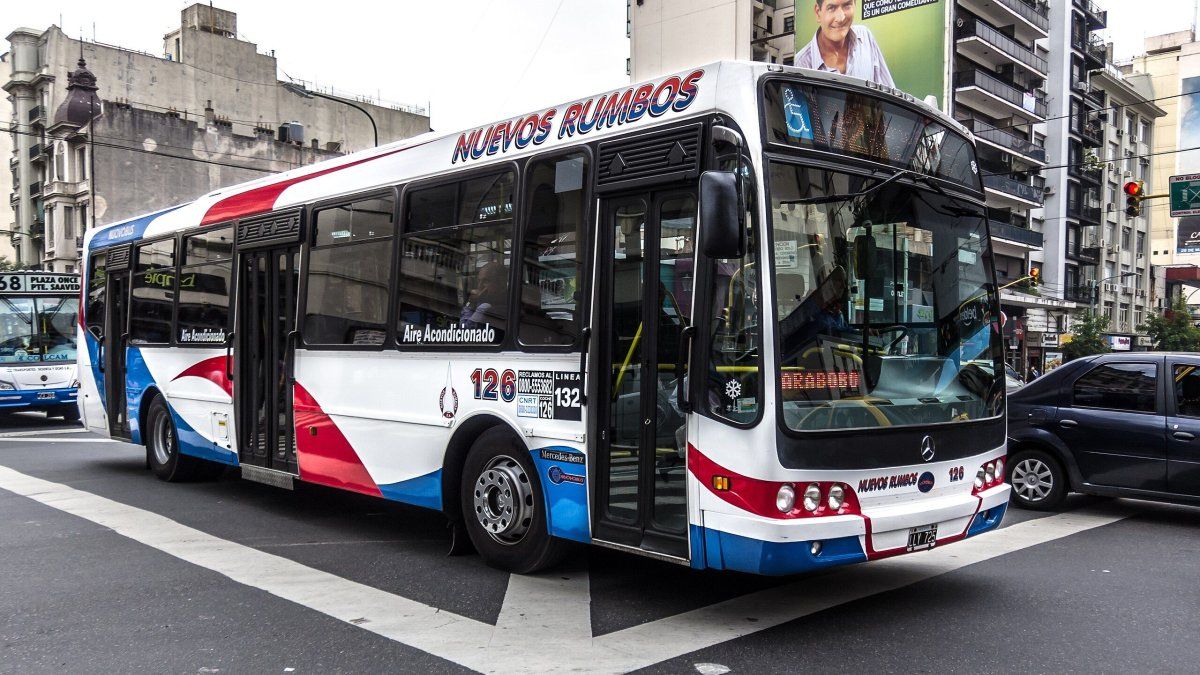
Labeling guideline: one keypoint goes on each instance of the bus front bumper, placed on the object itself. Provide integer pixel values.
(778, 547)
(37, 399)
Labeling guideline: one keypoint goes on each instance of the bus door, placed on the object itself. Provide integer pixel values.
(645, 298)
(114, 339)
(265, 339)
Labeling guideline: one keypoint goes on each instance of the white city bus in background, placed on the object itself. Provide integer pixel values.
(38, 316)
(742, 317)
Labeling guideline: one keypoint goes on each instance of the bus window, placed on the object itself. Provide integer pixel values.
(204, 280)
(348, 271)
(550, 257)
(97, 287)
(153, 293)
(455, 262)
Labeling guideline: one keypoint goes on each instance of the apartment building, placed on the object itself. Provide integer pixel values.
(209, 112)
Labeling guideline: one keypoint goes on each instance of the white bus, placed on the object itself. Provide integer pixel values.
(742, 317)
(38, 316)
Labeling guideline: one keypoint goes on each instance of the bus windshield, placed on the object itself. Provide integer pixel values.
(35, 330)
(884, 301)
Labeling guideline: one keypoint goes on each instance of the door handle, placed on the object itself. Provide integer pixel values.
(229, 355)
(1184, 436)
(681, 360)
(289, 347)
(1068, 423)
(585, 339)
(100, 357)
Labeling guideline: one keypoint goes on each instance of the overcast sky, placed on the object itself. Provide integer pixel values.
(471, 60)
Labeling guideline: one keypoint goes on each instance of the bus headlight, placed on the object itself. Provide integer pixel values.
(836, 496)
(812, 497)
(979, 479)
(4, 386)
(1000, 469)
(989, 472)
(785, 499)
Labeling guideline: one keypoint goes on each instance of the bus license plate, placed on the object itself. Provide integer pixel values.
(922, 538)
(45, 396)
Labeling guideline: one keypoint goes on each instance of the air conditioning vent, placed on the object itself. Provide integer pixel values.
(656, 158)
(118, 258)
(276, 228)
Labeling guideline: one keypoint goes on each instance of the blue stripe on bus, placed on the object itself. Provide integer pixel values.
(137, 380)
(728, 551)
(562, 474)
(423, 490)
(987, 520)
(93, 350)
(28, 398)
(193, 444)
(128, 231)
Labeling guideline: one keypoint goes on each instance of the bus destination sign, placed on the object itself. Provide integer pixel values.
(38, 283)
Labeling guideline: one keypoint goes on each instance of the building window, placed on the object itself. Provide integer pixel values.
(68, 223)
(455, 260)
(1126, 234)
(153, 286)
(1131, 122)
(204, 282)
(770, 25)
(81, 162)
(349, 270)
(789, 24)
(1144, 134)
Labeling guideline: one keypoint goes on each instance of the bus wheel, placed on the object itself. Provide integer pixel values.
(503, 507)
(162, 445)
(1037, 479)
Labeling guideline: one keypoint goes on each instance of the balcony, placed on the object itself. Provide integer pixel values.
(1016, 189)
(1086, 255)
(1006, 141)
(1097, 18)
(1018, 235)
(996, 97)
(1078, 293)
(35, 152)
(35, 190)
(975, 36)
(37, 114)
(1091, 132)
(1036, 14)
(1087, 212)
(1095, 52)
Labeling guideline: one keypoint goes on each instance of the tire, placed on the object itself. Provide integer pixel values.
(1038, 480)
(503, 507)
(162, 449)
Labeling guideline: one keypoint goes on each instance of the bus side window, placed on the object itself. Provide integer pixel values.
(551, 250)
(97, 288)
(455, 263)
(204, 283)
(349, 269)
(153, 293)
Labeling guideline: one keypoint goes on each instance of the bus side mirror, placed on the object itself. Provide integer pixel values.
(721, 229)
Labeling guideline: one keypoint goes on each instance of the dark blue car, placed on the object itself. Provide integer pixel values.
(1117, 425)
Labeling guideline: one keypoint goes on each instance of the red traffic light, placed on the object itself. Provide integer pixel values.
(1134, 188)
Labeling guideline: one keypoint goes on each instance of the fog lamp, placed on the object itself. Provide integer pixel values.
(785, 499)
(812, 497)
(836, 496)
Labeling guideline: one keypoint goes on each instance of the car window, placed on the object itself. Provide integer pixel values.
(1187, 390)
(1118, 386)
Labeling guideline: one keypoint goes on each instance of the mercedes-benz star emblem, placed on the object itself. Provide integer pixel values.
(927, 449)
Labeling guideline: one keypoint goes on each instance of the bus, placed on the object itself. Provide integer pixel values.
(741, 317)
(38, 316)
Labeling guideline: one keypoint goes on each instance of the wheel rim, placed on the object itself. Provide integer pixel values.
(503, 500)
(1032, 479)
(164, 440)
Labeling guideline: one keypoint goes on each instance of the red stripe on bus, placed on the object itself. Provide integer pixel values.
(214, 370)
(323, 453)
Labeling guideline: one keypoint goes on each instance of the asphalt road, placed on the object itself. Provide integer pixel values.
(108, 569)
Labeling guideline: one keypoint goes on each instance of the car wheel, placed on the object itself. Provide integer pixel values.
(503, 507)
(1037, 479)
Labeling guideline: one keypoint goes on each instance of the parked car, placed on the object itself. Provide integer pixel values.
(1117, 425)
(1012, 381)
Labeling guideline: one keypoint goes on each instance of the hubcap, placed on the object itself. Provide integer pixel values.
(503, 500)
(1032, 480)
(164, 440)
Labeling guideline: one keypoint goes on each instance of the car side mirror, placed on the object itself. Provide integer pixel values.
(721, 231)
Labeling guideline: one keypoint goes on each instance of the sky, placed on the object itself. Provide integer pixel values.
(469, 61)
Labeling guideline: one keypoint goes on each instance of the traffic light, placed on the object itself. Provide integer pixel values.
(1135, 192)
(1035, 276)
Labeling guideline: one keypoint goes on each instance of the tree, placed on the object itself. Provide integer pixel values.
(1173, 330)
(1087, 338)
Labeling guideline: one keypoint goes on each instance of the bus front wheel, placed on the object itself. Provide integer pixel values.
(503, 507)
(162, 448)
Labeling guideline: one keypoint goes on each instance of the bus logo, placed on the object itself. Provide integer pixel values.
(927, 449)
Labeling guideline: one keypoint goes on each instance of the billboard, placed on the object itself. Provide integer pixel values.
(895, 43)
(1187, 230)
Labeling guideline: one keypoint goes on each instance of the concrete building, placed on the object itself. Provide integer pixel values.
(211, 107)
(7, 222)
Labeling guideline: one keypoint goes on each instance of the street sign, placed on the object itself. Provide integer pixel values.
(1185, 195)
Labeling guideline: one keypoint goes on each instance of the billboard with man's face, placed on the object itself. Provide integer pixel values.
(901, 44)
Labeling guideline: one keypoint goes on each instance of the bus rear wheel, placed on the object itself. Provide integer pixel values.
(162, 449)
(503, 507)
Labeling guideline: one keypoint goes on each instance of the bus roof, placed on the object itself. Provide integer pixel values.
(728, 86)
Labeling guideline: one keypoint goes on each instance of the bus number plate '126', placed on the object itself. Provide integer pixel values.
(550, 395)
(921, 538)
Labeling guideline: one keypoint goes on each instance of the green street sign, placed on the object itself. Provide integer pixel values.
(1185, 195)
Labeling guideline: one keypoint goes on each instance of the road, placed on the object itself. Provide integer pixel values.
(108, 569)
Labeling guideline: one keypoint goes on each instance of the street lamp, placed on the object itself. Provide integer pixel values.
(307, 93)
